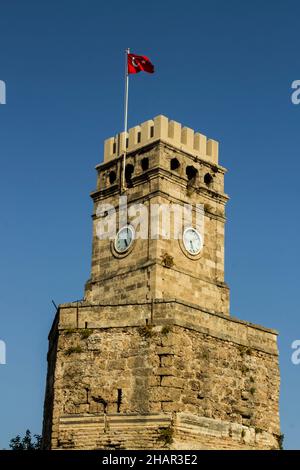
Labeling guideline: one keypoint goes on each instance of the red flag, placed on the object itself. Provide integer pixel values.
(139, 63)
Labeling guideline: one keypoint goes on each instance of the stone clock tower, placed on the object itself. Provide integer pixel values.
(151, 358)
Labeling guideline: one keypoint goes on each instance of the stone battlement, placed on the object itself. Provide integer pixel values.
(161, 128)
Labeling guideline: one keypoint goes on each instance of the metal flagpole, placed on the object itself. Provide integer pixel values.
(125, 116)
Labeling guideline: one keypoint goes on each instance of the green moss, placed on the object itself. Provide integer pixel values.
(84, 334)
(146, 331)
(167, 260)
(166, 435)
(72, 350)
(205, 355)
(252, 390)
(70, 331)
(244, 350)
(165, 330)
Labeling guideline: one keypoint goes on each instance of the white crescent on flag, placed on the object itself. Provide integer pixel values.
(139, 63)
(134, 62)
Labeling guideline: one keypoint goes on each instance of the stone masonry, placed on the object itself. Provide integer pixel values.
(151, 358)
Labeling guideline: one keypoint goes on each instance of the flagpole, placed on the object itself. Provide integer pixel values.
(125, 116)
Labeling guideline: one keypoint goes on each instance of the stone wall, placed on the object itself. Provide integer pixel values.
(162, 375)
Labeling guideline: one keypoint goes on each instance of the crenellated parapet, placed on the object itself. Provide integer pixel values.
(161, 128)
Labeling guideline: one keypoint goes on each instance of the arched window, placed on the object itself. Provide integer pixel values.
(208, 179)
(145, 164)
(191, 173)
(129, 169)
(112, 177)
(174, 164)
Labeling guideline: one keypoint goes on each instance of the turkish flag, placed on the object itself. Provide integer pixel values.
(139, 63)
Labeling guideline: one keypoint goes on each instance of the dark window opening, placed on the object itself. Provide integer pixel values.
(145, 164)
(127, 142)
(99, 399)
(174, 164)
(151, 131)
(128, 175)
(191, 173)
(119, 400)
(112, 177)
(139, 137)
(85, 324)
(114, 147)
(208, 179)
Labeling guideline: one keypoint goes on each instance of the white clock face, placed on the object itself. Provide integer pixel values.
(124, 239)
(192, 241)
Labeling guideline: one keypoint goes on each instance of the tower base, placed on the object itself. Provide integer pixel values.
(159, 375)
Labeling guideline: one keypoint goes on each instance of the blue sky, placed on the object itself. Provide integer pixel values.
(223, 68)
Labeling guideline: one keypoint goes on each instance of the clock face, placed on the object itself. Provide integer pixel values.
(192, 241)
(124, 239)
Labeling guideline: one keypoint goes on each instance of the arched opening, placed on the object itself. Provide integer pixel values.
(145, 164)
(208, 179)
(191, 173)
(128, 174)
(112, 177)
(174, 164)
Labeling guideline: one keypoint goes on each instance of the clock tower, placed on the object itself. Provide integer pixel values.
(151, 358)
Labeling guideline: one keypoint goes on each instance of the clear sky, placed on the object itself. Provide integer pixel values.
(223, 68)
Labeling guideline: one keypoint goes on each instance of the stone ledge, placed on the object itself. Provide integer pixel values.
(185, 428)
(246, 435)
(83, 304)
(168, 312)
(117, 418)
